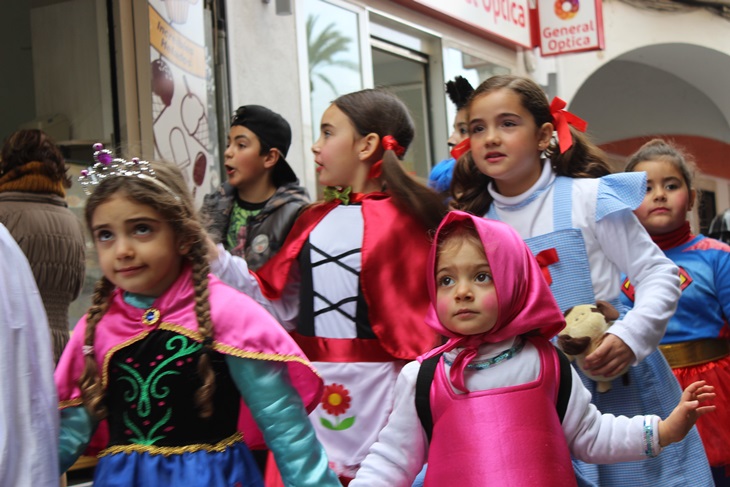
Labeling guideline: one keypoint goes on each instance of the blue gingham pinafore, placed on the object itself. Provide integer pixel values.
(652, 387)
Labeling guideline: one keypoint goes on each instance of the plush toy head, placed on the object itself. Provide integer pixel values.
(585, 327)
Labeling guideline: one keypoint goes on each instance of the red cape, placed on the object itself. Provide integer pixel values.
(395, 251)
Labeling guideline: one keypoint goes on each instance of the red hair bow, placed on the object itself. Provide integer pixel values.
(389, 143)
(563, 118)
(461, 148)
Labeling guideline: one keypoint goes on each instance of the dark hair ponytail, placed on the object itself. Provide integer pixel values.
(584, 159)
(380, 112)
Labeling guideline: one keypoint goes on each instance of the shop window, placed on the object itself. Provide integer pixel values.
(183, 98)
(333, 48)
(60, 83)
(59, 80)
(405, 73)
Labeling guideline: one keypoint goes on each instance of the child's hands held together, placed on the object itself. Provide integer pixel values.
(685, 415)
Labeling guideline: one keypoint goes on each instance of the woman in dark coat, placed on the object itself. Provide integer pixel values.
(33, 184)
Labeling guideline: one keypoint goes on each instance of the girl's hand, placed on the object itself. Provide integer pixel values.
(685, 415)
(610, 358)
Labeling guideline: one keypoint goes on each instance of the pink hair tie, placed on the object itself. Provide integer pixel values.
(87, 350)
(563, 118)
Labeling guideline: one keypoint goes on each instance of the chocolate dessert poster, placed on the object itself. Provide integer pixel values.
(183, 121)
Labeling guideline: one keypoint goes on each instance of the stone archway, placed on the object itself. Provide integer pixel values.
(674, 90)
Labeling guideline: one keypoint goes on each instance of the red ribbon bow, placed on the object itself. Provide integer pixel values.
(461, 148)
(546, 258)
(563, 118)
(389, 143)
(376, 170)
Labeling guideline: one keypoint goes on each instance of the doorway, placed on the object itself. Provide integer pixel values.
(405, 73)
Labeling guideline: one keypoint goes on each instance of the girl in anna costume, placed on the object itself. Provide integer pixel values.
(166, 352)
(697, 341)
(555, 191)
(348, 281)
(493, 418)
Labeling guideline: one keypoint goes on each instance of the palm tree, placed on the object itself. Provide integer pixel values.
(322, 51)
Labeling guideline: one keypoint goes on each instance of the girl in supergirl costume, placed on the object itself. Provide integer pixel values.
(696, 342)
(166, 352)
(493, 415)
(348, 281)
(582, 230)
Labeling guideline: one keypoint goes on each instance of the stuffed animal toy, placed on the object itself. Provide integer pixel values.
(585, 327)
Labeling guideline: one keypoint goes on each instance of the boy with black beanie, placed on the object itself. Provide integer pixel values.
(253, 211)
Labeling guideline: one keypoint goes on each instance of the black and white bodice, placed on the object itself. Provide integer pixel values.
(151, 385)
(332, 303)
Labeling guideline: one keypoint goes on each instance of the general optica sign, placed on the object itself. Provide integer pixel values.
(506, 19)
(569, 26)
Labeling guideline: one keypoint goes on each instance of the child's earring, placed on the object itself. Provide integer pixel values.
(549, 148)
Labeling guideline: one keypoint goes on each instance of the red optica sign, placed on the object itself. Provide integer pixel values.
(569, 26)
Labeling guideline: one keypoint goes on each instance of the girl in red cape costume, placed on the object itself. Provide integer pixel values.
(348, 281)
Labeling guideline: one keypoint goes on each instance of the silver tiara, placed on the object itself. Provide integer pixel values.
(108, 166)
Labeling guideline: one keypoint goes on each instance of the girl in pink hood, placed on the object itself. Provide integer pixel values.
(493, 417)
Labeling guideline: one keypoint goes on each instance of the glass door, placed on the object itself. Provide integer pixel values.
(405, 73)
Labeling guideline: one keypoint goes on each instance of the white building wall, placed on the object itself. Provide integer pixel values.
(264, 67)
(628, 28)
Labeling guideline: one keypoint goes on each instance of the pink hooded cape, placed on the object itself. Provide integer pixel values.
(525, 302)
(241, 328)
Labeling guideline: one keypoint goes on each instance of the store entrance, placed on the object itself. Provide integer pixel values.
(405, 73)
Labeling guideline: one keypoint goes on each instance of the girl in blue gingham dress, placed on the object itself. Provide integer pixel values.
(527, 168)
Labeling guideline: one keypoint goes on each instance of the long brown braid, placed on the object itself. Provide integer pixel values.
(90, 382)
(583, 160)
(177, 208)
(201, 269)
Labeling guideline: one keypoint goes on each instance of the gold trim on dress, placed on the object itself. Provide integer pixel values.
(236, 352)
(194, 335)
(70, 403)
(219, 447)
(112, 351)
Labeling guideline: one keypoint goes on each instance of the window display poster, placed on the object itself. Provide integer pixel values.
(182, 120)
